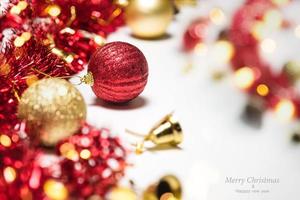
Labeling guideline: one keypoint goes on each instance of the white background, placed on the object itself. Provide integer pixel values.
(217, 144)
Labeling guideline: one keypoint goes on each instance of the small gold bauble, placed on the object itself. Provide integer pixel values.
(118, 193)
(53, 110)
(149, 18)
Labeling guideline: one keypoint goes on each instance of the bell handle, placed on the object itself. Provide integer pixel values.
(135, 133)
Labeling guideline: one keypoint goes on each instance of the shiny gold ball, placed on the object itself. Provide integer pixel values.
(118, 193)
(168, 187)
(149, 18)
(53, 110)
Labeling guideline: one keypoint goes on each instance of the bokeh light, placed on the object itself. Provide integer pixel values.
(55, 190)
(244, 77)
(201, 49)
(280, 2)
(68, 151)
(285, 110)
(217, 16)
(9, 174)
(53, 10)
(85, 154)
(297, 31)
(17, 9)
(223, 51)
(273, 19)
(268, 45)
(5, 140)
(262, 90)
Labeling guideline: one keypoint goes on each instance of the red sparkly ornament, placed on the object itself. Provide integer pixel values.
(120, 72)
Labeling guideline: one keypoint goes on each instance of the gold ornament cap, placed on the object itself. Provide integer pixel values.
(53, 109)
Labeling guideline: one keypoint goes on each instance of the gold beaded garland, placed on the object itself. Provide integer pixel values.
(53, 110)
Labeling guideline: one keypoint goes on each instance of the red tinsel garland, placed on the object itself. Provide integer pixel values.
(29, 29)
(33, 44)
(98, 164)
(74, 27)
(19, 67)
(87, 164)
(97, 16)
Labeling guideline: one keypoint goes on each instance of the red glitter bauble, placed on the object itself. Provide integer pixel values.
(120, 72)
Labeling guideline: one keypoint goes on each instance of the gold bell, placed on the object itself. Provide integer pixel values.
(165, 134)
(167, 131)
(167, 188)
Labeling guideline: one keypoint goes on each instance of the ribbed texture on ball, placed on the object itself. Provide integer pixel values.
(120, 72)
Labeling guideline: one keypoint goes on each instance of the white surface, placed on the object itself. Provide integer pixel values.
(217, 144)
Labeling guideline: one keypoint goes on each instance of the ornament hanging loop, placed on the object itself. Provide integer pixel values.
(86, 79)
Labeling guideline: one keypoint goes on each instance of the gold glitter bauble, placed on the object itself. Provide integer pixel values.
(53, 110)
(149, 18)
